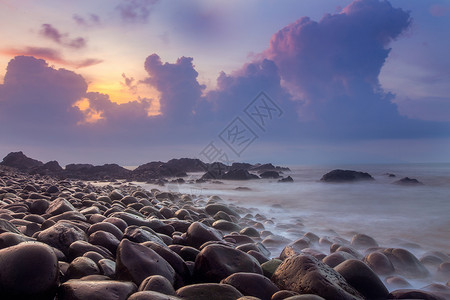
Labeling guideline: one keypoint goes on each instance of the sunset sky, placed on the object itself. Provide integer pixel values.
(284, 81)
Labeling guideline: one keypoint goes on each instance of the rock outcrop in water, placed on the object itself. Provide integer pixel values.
(20, 161)
(345, 176)
(152, 172)
(408, 181)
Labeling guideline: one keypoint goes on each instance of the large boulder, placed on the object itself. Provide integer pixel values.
(405, 263)
(198, 234)
(345, 176)
(305, 274)
(216, 262)
(208, 291)
(363, 279)
(59, 206)
(28, 271)
(96, 290)
(136, 262)
(20, 161)
(61, 236)
(252, 284)
(380, 263)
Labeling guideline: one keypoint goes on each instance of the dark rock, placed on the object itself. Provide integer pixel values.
(198, 234)
(283, 294)
(251, 284)
(243, 166)
(6, 226)
(136, 262)
(141, 235)
(305, 274)
(108, 227)
(216, 262)
(250, 231)
(151, 295)
(105, 239)
(79, 248)
(208, 291)
(363, 279)
(286, 179)
(107, 267)
(59, 206)
(238, 175)
(305, 297)
(270, 174)
(226, 226)
(28, 271)
(397, 282)
(95, 256)
(408, 181)
(61, 236)
(294, 248)
(345, 176)
(380, 263)
(362, 241)
(96, 290)
(413, 294)
(157, 283)
(270, 266)
(173, 259)
(82, 266)
(8, 239)
(405, 263)
(20, 161)
(212, 209)
(267, 167)
(90, 172)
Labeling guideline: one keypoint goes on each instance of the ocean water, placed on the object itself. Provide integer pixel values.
(392, 214)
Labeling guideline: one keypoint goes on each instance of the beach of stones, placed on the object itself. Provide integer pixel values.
(63, 239)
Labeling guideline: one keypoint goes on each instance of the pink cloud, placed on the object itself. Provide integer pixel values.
(135, 11)
(178, 85)
(63, 39)
(52, 55)
(439, 10)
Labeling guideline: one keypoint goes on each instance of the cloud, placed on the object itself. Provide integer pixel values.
(332, 68)
(52, 55)
(129, 83)
(135, 11)
(90, 21)
(439, 10)
(177, 83)
(50, 32)
(37, 100)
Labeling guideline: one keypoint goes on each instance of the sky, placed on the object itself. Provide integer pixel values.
(287, 81)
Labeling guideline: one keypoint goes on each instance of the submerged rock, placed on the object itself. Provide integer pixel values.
(408, 181)
(345, 176)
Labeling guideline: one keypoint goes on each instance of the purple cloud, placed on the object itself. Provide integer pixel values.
(50, 32)
(129, 83)
(52, 55)
(37, 100)
(136, 11)
(90, 21)
(178, 85)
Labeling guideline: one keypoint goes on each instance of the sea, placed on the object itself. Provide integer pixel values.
(413, 217)
(386, 211)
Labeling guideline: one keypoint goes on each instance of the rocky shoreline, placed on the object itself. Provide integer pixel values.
(72, 239)
(155, 172)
